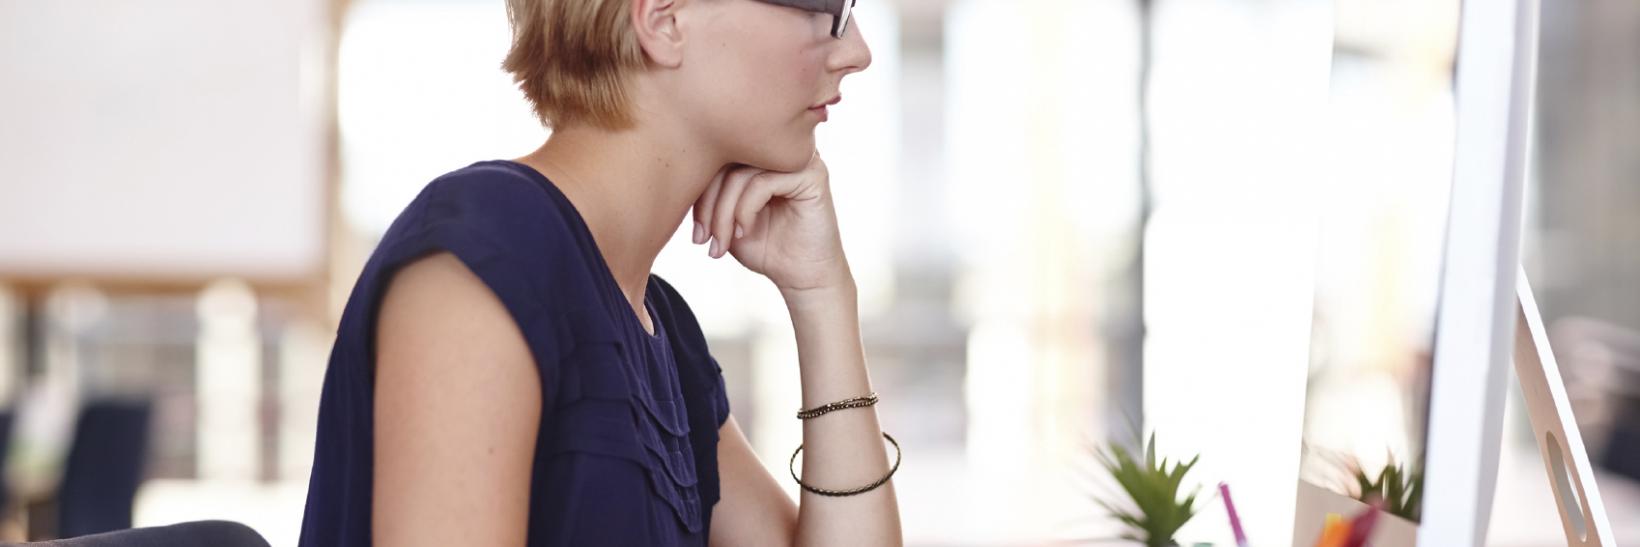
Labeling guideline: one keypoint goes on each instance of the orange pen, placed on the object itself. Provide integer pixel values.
(1336, 532)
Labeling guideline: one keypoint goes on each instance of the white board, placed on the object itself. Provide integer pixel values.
(162, 139)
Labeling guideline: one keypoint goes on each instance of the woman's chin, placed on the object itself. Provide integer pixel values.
(790, 166)
(787, 157)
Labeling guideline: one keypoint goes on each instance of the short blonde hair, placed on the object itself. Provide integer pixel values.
(571, 58)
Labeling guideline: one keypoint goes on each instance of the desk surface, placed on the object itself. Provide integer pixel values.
(1524, 512)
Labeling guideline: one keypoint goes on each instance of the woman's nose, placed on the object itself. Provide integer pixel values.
(853, 55)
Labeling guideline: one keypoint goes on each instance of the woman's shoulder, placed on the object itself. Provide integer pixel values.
(499, 195)
(502, 220)
(494, 198)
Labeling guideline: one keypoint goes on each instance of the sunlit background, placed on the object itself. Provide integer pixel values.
(189, 188)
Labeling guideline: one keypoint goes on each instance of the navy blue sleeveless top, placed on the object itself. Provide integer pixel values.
(627, 448)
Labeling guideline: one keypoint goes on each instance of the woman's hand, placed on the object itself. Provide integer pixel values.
(780, 225)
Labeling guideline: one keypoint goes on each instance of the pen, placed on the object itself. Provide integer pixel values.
(1235, 520)
(1336, 533)
(1362, 527)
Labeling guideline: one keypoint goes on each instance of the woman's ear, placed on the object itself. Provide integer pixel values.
(655, 22)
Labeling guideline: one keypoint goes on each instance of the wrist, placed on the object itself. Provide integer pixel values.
(840, 294)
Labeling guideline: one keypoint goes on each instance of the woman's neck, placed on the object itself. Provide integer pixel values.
(633, 187)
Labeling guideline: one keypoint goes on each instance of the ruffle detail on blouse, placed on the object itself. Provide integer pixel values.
(605, 407)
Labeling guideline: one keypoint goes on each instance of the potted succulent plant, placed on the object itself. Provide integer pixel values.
(1151, 507)
(1397, 489)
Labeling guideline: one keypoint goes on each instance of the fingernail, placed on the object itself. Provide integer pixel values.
(739, 233)
(714, 251)
(700, 234)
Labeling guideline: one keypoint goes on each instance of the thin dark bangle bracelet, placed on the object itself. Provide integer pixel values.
(853, 492)
(857, 402)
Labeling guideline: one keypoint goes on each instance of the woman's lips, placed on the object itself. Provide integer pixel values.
(821, 108)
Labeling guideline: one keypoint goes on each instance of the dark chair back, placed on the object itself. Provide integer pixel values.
(205, 533)
(105, 466)
(5, 448)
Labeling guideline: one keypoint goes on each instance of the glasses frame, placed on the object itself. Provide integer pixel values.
(839, 10)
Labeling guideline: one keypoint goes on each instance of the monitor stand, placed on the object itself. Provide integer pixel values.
(1571, 477)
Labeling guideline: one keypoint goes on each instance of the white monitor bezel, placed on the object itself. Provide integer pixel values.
(1475, 325)
(1497, 54)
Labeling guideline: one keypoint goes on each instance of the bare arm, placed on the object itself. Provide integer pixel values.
(754, 510)
(457, 403)
(783, 225)
(843, 449)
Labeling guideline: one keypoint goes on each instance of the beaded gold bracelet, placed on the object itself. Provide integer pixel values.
(855, 491)
(857, 402)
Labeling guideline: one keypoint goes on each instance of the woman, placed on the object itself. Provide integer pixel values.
(508, 372)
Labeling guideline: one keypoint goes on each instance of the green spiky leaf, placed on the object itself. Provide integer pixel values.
(1397, 487)
(1154, 510)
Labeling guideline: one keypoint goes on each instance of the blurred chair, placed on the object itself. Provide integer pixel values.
(105, 466)
(205, 533)
(5, 448)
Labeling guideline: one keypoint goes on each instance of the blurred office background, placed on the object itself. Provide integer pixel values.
(188, 189)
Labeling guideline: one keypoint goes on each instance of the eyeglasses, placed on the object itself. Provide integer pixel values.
(838, 9)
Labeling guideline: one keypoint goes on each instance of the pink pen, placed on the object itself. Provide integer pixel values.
(1235, 521)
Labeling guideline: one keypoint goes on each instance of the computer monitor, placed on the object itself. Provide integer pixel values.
(1415, 304)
